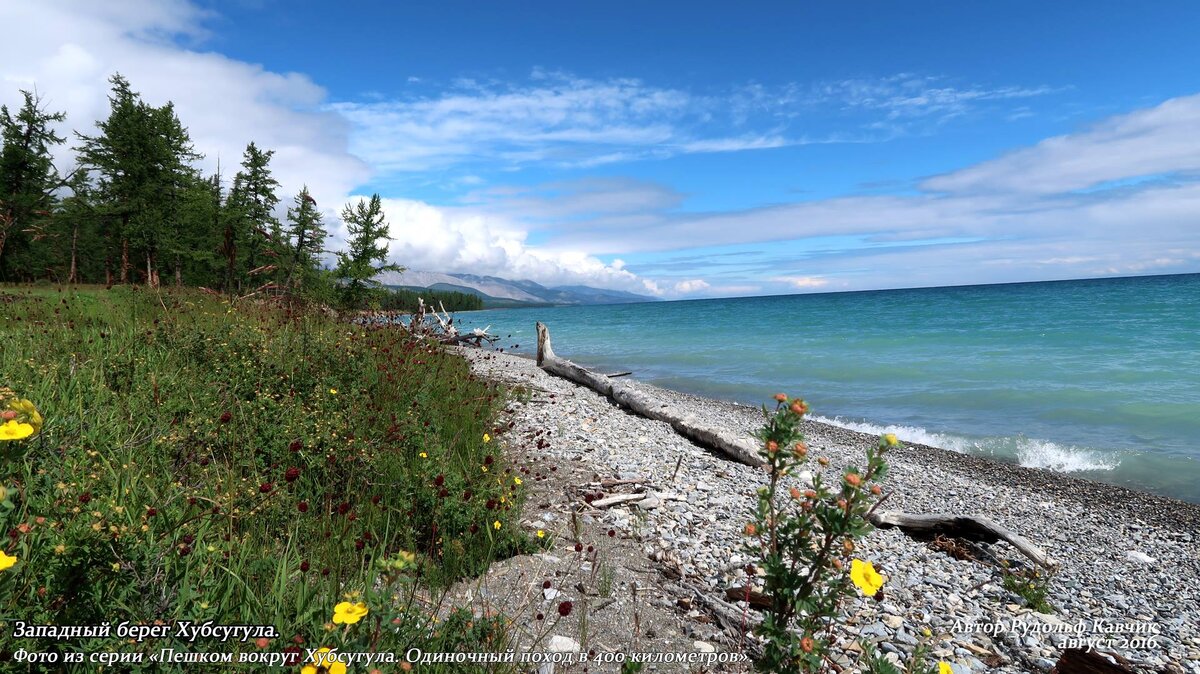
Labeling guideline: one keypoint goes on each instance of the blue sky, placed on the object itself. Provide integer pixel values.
(687, 149)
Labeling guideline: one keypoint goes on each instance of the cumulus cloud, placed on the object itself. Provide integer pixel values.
(68, 49)
(691, 286)
(428, 237)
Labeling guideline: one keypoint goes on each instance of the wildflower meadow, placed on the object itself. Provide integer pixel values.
(168, 457)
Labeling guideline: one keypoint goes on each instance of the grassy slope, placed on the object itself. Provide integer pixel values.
(245, 465)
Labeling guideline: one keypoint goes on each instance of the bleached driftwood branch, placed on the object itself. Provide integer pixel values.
(739, 448)
(444, 330)
(973, 527)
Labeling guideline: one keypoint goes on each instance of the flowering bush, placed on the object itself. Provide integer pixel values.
(803, 536)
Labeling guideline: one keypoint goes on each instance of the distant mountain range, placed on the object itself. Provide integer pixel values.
(497, 292)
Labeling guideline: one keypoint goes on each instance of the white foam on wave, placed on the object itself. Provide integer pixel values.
(1029, 452)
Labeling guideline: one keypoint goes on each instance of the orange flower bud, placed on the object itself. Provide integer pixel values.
(751, 529)
(854, 480)
(799, 407)
(823, 461)
(772, 447)
(810, 494)
(876, 490)
(806, 645)
(837, 564)
(795, 493)
(843, 504)
(781, 397)
(848, 546)
(801, 450)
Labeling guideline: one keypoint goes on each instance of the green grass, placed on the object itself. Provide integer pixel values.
(246, 465)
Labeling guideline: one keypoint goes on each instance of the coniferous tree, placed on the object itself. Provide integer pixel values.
(306, 235)
(365, 256)
(249, 214)
(28, 178)
(79, 231)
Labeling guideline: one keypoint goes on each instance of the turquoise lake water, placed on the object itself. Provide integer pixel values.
(1098, 378)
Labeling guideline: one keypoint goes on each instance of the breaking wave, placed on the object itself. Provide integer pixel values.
(1029, 452)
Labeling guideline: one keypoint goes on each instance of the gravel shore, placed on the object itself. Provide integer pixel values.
(1129, 567)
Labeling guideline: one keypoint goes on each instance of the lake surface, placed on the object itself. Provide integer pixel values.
(1099, 378)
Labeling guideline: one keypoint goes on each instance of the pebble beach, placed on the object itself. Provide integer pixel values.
(1128, 565)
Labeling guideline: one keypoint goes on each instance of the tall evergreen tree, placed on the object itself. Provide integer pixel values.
(249, 208)
(365, 256)
(143, 158)
(27, 174)
(306, 235)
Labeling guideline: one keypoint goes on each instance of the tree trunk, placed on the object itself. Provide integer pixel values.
(975, 527)
(73, 277)
(178, 272)
(149, 271)
(125, 260)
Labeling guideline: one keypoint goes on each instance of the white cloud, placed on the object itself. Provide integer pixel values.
(68, 49)
(803, 282)
(1147, 142)
(691, 286)
(433, 238)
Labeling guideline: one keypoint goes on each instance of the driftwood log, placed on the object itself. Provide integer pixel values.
(975, 527)
(740, 448)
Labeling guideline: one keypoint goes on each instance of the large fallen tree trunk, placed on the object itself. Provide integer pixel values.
(743, 449)
(976, 527)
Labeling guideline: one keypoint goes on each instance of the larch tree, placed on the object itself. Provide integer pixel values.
(28, 178)
(365, 256)
(306, 235)
(249, 215)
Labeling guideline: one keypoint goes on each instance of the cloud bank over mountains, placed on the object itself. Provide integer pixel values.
(1120, 196)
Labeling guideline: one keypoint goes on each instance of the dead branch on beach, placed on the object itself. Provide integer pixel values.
(974, 527)
(442, 329)
(737, 447)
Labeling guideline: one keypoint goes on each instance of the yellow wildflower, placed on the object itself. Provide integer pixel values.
(15, 430)
(321, 664)
(423, 455)
(6, 561)
(945, 668)
(333, 391)
(865, 577)
(541, 533)
(60, 549)
(496, 525)
(486, 438)
(346, 613)
(116, 566)
(890, 439)
(516, 480)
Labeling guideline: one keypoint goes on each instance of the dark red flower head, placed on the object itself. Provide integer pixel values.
(266, 487)
(292, 474)
(564, 608)
(225, 417)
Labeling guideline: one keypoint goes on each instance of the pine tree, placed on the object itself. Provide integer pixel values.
(306, 234)
(27, 174)
(365, 256)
